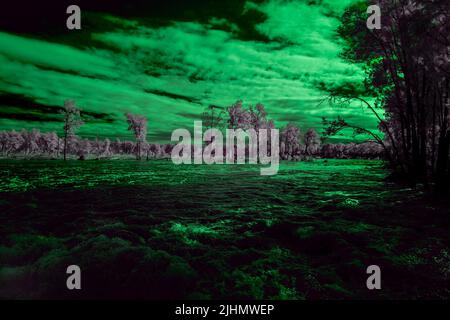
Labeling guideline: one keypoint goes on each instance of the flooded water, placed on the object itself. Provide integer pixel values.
(315, 181)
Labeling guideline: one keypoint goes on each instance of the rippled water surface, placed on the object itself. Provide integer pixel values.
(320, 180)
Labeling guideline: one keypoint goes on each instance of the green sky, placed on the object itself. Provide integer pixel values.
(170, 62)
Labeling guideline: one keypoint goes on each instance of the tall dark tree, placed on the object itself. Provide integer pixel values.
(407, 76)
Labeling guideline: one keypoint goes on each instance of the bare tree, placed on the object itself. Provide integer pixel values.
(72, 121)
(213, 117)
(137, 124)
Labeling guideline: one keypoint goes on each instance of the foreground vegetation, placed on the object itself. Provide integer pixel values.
(155, 230)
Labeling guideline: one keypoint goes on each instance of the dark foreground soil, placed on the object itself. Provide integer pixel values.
(139, 242)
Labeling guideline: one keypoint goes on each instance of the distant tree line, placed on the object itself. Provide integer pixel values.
(294, 145)
(50, 145)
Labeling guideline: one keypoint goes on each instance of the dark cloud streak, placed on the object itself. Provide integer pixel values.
(18, 107)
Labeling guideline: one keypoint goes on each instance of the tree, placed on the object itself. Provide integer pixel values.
(85, 148)
(11, 141)
(72, 121)
(4, 141)
(127, 147)
(74, 144)
(213, 117)
(30, 141)
(96, 147)
(107, 147)
(250, 118)
(407, 83)
(312, 142)
(48, 142)
(138, 124)
(290, 142)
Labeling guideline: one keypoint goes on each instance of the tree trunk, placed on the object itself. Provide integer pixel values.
(442, 174)
(65, 145)
(138, 151)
